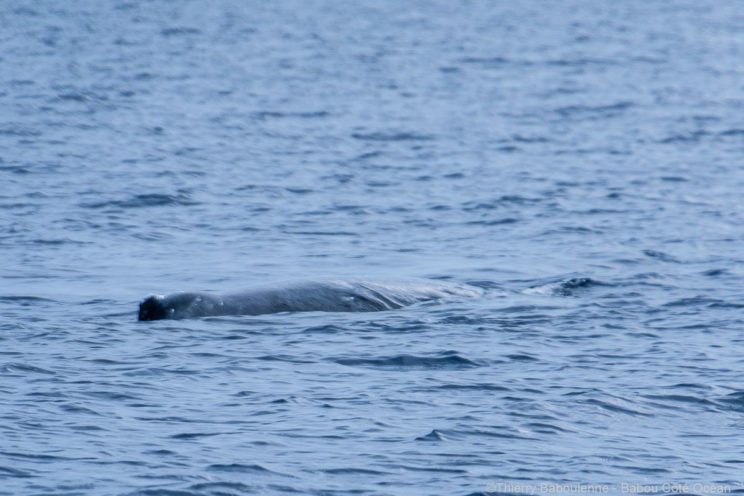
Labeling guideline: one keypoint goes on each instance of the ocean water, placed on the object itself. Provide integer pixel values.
(581, 161)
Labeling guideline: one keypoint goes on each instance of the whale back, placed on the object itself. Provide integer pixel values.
(307, 296)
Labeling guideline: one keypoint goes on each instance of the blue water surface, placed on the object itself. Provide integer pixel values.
(580, 160)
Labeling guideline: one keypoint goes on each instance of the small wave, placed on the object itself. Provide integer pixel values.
(110, 395)
(16, 169)
(434, 435)
(99, 301)
(529, 139)
(544, 428)
(483, 284)
(368, 155)
(354, 471)
(57, 242)
(733, 401)
(679, 398)
(732, 132)
(487, 61)
(509, 149)
(567, 287)
(690, 385)
(322, 233)
(674, 179)
(179, 31)
(517, 200)
(496, 433)
(441, 470)
(324, 329)
(221, 488)
(598, 111)
(400, 136)
(238, 467)
(692, 137)
(500, 202)
(165, 419)
(725, 304)
(450, 361)
(163, 492)
(23, 368)
(14, 472)
(295, 115)
(616, 408)
(25, 301)
(282, 358)
(474, 387)
(299, 191)
(581, 62)
(20, 132)
(194, 435)
(159, 371)
(11, 206)
(493, 222)
(660, 255)
(35, 457)
(697, 301)
(715, 272)
(78, 409)
(76, 96)
(522, 357)
(145, 200)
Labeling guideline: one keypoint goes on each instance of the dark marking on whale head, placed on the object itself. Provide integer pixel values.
(153, 308)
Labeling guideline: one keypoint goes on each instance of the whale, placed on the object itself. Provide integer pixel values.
(302, 296)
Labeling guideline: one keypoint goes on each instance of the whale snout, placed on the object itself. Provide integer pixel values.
(152, 308)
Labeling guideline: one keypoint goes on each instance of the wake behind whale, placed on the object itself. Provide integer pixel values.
(303, 296)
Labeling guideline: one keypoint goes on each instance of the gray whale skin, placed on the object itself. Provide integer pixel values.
(313, 296)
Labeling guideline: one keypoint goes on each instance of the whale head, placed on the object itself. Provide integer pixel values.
(153, 308)
(180, 306)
